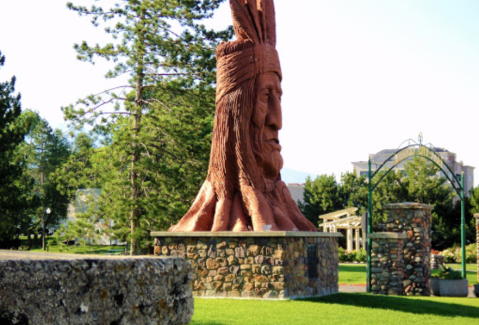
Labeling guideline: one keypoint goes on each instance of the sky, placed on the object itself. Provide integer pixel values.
(359, 76)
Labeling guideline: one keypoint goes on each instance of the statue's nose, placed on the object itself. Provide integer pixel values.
(274, 118)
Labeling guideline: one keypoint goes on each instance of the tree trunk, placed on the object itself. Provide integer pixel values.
(134, 215)
(29, 239)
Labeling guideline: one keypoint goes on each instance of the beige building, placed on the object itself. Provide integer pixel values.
(297, 191)
(361, 167)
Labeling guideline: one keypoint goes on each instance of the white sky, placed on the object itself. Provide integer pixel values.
(359, 76)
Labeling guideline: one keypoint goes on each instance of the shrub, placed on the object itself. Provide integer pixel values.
(354, 256)
(453, 254)
(448, 274)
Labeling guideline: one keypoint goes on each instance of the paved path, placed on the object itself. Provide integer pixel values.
(362, 288)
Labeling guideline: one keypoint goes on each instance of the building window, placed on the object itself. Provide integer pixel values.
(365, 173)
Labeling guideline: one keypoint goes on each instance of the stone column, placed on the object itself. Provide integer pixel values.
(415, 220)
(387, 263)
(477, 241)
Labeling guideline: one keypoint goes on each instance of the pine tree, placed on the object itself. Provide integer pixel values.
(11, 135)
(321, 196)
(43, 151)
(169, 56)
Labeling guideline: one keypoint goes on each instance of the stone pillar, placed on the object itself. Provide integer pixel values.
(415, 220)
(387, 263)
(477, 235)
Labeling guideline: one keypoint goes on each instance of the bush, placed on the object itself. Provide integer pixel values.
(354, 256)
(448, 274)
(453, 254)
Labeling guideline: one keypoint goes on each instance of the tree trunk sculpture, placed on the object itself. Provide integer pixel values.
(243, 190)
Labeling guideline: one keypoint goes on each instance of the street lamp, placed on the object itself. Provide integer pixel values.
(47, 211)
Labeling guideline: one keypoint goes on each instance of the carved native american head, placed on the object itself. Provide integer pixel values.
(243, 190)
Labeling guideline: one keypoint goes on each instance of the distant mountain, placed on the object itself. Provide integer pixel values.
(295, 176)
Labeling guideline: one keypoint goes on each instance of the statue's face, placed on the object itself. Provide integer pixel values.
(267, 121)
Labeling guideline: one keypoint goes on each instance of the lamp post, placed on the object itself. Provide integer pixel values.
(47, 211)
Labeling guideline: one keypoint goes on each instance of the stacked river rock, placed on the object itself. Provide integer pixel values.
(387, 263)
(414, 221)
(285, 265)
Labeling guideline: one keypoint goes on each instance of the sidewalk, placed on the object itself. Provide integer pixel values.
(358, 288)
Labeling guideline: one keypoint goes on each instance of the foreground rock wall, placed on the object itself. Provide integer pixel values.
(259, 265)
(67, 289)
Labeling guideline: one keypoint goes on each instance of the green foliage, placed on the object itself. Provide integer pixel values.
(474, 201)
(354, 256)
(12, 194)
(353, 191)
(321, 196)
(448, 273)
(42, 153)
(454, 254)
(150, 140)
(390, 190)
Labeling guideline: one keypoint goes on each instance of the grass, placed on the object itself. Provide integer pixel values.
(74, 249)
(343, 308)
(469, 267)
(356, 273)
(352, 274)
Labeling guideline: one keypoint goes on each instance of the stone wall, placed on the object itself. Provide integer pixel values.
(413, 219)
(42, 288)
(387, 263)
(256, 265)
(477, 241)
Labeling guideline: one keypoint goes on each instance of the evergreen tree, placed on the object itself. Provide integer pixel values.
(354, 191)
(43, 151)
(321, 196)
(170, 57)
(474, 200)
(11, 135)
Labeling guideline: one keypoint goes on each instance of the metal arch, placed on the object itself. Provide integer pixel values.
(458, 191)
(431, 148)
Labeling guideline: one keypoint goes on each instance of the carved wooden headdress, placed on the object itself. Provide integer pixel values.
(254, 51)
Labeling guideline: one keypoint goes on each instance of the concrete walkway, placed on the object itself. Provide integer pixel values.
(362, 288)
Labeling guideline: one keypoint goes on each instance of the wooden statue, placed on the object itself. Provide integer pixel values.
(243, 190)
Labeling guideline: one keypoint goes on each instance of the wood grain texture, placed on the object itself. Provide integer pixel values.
(243, 190)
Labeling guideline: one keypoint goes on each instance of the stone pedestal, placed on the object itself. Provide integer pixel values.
(273, 265)
(414, 219)
(477, 241)
(387, 263)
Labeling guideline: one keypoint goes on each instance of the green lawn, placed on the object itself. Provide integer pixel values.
(343, 308)
(75, 249)
(469, 267)
(352, 274)
(356, 273)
